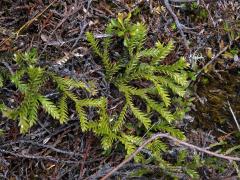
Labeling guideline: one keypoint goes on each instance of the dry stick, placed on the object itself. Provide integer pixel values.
(51, 147)
(8, 67)
(212, 60)
(179, 25)
(66, 15)
(84, 24)
(215, 57)
(164, 135)
(234, 117)
(27, 24)
(209, 13)
(47, 158)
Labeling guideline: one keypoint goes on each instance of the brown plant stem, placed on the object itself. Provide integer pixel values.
(177, 141)
(178, 24)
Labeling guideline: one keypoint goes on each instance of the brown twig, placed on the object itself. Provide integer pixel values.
(8, 67)
(212, 60)
(48, 158)
(84, 24)
(51, 147)
(27, 24)
(209, 13)
(178, 24)
(234, 117)
(177, 141)
(67, 13)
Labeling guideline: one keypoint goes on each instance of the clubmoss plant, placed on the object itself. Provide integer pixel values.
(30, 81)
(149, 94)
(149, 88)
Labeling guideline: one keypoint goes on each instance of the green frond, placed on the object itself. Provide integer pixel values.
(109, 29)
(23, 123)
(17, 80)
(146, 68)
(103, 126)
(106, 44)
(100, 127)
(104, 118)
(65, 84)
(179, 90)
(63, 109)
(131, 90)
(23, 113)
(93, 126)
(60, 85)
(94, 43)
(151, 90)
(71, 95)
(73, 83)
(132, 139)
(178, 65)
(131, 142)
(129, 146)
(180, 79)
(165, 165)
(119, 123)
(35, 77)
(171, 130)
(26, 59)
(92, 102)
(157, 146)
(114, 68)
(163, 93)
(141, 116)
(165, 113)
(110, 67)
(9, 112)
(27, 112)
(33, 112)
(31, 56)
(134, 71)
(163, 51)
(49, 106)
(26, 104)
(1, 81)
(151, 52)
(132, 64)
(82, 117)
(137, 38)
(175, 71)
(107, 142)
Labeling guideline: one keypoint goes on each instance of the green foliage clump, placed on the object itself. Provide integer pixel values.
(150, 90)
(150, 94)
(30, 80)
